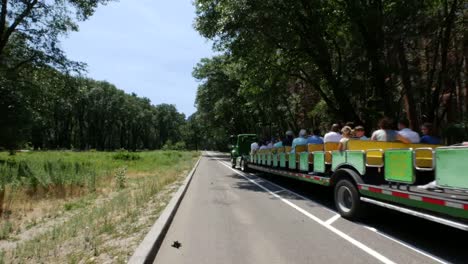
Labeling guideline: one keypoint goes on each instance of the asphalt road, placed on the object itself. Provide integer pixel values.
(228, 216)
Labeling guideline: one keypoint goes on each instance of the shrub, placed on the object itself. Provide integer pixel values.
(125, 155)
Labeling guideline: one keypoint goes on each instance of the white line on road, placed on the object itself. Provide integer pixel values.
(332, 219)
(420, 251)
(295, 193)
(415, 249)
(353, 241)
(279, 191)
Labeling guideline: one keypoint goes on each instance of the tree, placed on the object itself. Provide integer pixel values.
(39, 26)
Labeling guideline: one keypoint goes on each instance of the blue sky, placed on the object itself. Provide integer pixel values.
(147, 47)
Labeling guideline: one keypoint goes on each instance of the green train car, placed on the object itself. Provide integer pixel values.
(387, 174)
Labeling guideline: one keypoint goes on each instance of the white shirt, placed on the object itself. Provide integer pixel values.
(410, 134)
(332, 137)
(254, 146)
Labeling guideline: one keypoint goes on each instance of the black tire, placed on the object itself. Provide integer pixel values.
(347, 200)
(233, 163)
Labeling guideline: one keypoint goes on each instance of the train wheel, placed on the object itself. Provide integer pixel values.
(347, 199)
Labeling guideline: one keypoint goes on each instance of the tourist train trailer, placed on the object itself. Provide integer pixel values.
(386, 174)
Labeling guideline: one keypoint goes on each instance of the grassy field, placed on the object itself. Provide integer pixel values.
(83, 207)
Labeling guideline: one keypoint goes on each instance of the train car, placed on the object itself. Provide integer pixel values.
(387, 174)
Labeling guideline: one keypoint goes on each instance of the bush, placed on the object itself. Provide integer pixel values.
(177, 146)
(125, 155)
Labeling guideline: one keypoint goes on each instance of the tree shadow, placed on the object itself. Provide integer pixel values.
(437, 239)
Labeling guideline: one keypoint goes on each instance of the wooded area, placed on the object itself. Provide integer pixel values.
(279, 65)
(45, 103)
(302, 64)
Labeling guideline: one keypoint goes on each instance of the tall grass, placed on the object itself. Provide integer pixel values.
(89, 228)
(56, 174)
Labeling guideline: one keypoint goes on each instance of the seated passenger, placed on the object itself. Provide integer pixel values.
(299, 141)
(270, 144)
(405, 131)
(263, 145)
(428, 136)
(254, 147)
(350, 124)
(333, 135)
(315, 137)
(278, 143)
(346, 133)
(359, 133)
(386, 133)
(287, 141)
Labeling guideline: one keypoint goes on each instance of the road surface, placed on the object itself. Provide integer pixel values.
(228, 216)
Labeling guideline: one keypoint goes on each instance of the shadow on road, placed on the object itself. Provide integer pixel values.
(438, 240)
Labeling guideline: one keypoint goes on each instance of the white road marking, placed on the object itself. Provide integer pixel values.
(296, 194)
(332, 219)
(420, 251)
(279, 191)
(353, 241)
(415, 249)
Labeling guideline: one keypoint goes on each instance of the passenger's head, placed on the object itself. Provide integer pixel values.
(316, 132)
(289, 134)
(346, 131)
(350, 124)
(335, 128)
(385, 123)
(359, 131)
(426, 129)
(303, 133)
(403, 123)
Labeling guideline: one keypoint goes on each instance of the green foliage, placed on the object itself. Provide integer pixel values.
(5, 229)
(125, 155)
(177, 146)
(121, 177)
(297, 64)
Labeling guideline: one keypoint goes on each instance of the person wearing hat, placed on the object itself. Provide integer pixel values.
(359, 133)
(299, 141)
(287, 141)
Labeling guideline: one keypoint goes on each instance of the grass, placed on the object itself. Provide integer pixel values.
(108, 199)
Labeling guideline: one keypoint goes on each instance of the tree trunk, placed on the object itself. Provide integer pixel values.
(408, 98)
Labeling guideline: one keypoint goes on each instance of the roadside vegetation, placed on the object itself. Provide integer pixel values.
(66, 207)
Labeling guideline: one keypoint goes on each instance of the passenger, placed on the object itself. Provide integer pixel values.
(405, 131)
(287, 141)
(263, 145)
(278, 143)
(428, 136)
(270, 144)
(315, 137)
(254, 147)
(386, 133)
(350, 124)
(346, 133)
(359, 133)
(333, 135)
(299, 141)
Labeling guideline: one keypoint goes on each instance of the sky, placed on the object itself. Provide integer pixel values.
(147, 47)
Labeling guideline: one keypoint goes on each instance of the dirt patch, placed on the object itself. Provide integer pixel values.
(66, 237)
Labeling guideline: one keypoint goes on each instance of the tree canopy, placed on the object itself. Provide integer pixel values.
(44, 105)
(301, 64)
